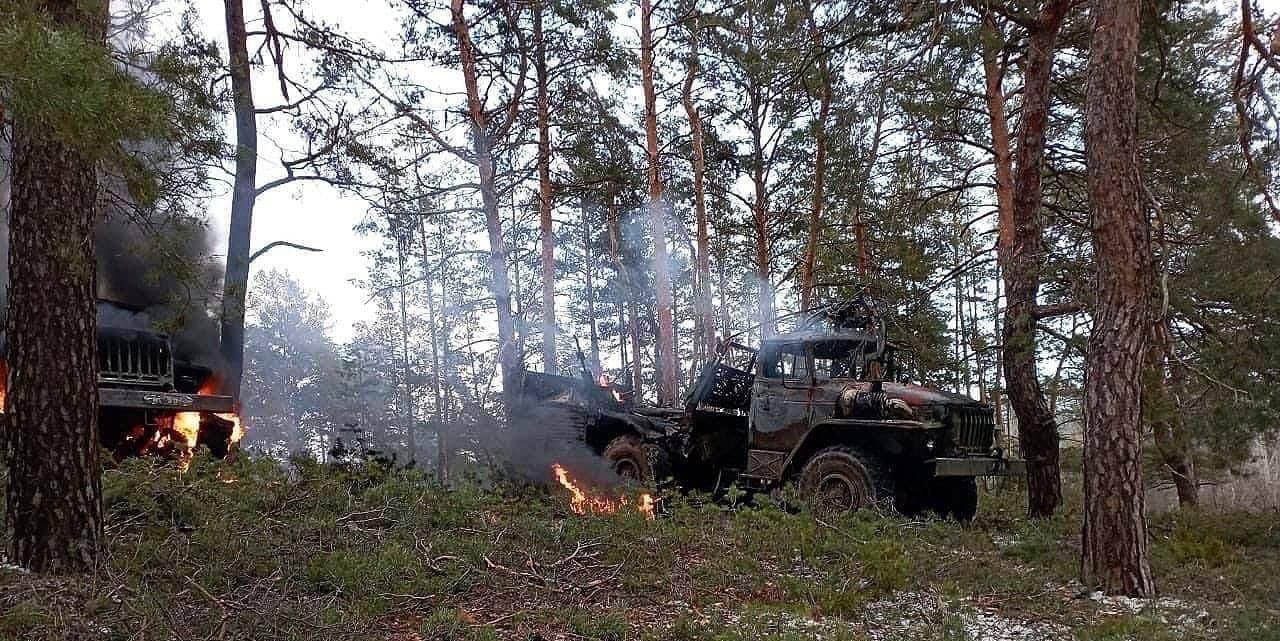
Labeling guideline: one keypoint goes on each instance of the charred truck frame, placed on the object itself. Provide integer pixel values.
(149, 399)
(828, 407)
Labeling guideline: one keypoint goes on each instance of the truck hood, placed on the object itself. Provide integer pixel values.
(920, 395)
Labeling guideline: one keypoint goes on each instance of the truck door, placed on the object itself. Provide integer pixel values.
(780, 397)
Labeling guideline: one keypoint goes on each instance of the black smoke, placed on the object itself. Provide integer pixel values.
(163, 276)
(168, 271)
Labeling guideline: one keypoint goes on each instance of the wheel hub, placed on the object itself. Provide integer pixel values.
(627, 468)
(838, 493)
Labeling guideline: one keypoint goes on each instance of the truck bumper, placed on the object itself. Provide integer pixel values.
(978, 466)
(162, 401)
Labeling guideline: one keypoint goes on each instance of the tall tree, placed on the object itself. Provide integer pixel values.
(824, 95)
(667, 369)
(545, 194)
(1114, 538)
(243, 196)
(705, 325)
(54, 499)
(482, 133)
(1020, 244)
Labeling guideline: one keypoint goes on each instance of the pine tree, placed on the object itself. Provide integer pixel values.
(1114, 546)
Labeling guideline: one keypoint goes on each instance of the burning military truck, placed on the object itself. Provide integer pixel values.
(830, 407)
(152, 401)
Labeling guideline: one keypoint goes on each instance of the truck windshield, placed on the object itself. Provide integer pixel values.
(846, 358)
(784, 361)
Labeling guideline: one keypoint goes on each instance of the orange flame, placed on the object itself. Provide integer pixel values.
(211, 386)
(4, 383)
(581, 502)
(187, 427)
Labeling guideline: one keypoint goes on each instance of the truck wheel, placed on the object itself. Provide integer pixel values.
(956, 498)
(632, 458)
(841, 479)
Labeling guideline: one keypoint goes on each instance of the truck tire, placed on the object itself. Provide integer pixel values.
(955, 498)
(631, 458)
(842, 479)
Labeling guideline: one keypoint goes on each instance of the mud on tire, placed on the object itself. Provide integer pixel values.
(842, 479)
(631, 458)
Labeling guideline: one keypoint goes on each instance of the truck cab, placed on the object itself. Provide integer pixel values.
(836, 412)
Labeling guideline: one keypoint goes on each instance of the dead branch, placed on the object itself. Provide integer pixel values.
(282, 243)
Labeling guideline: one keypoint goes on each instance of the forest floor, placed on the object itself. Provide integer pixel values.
(252, 551)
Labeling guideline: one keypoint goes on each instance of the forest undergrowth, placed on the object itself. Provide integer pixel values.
(256, 550)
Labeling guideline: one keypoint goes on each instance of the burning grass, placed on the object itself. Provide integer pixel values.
(585, 500)
(365, 553)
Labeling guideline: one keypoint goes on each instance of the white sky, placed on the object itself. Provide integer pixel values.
(315, 214)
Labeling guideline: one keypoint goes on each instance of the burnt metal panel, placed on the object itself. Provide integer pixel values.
(161, 401)
(780, 414)
(978, 466)
(765, 464)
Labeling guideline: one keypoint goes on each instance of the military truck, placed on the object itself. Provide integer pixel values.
(151, 400)
(143, 387)
(829, 407)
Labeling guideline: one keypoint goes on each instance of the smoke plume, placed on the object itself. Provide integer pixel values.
(163, 276)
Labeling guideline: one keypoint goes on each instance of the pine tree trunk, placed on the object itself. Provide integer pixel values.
(819, 171)
(54, 497)
(589, 282)
(1114, 538)
(860, 199)
(657, 218)
(1021, 253)
(704, 322)
(243, 196)
(760, 229)
(549, 362)
(402, 234)
(613, 225)
(1160, 406)
(499, 279)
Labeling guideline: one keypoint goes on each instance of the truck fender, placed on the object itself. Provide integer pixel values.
(876, 434)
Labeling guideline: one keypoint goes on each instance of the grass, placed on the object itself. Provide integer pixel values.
(251, 550)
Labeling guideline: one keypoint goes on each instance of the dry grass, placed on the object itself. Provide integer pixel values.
(326, 553)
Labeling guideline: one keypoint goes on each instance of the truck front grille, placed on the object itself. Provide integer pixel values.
(973, 428)
(134, 358)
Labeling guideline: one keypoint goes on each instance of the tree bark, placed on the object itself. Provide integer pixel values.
(657, 218)
(1114, 538)
(705, 324)
(549, 360)
(243, 196)
(1020, 249)
(54, 497)
(760, 227)
(499, 279)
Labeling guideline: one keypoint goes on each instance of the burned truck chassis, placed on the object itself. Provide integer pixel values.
(809, 408)
(142, 388)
